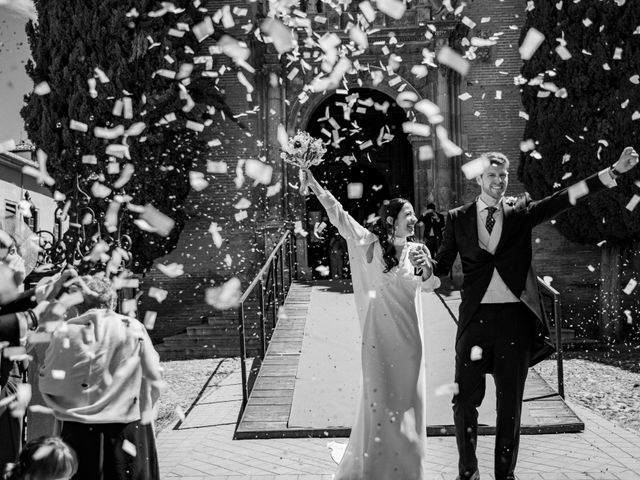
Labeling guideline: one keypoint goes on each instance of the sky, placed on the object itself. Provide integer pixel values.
(14, 82)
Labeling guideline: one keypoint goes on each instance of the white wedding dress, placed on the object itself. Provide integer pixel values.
(388, 437)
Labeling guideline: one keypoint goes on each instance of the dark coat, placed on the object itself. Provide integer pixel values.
(10, 327)
(512, 258)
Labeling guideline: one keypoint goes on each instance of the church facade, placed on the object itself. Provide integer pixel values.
(481, 112)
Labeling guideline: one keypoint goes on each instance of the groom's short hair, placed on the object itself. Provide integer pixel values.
(497, 159)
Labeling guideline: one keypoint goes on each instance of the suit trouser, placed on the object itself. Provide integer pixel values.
(505, 334)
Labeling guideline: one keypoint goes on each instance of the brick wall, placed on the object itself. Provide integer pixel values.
(499, 127)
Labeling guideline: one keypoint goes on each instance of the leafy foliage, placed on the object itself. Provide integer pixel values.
(70, 40)
(586, 131)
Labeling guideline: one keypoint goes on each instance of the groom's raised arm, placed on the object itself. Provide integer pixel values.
(549, 207)
(448, 251)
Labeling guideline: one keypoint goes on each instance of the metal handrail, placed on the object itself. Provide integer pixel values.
(271, 291)
(552, 293)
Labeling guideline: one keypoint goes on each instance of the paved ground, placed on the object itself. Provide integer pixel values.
(202, 447)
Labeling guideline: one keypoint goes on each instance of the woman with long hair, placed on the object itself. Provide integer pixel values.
(388, 270)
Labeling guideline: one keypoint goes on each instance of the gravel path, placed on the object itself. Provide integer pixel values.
(609, 390)
(185, 379)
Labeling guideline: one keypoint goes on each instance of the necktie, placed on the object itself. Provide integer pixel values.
(490, 220)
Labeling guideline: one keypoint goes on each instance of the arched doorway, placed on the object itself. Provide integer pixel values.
(369, 159)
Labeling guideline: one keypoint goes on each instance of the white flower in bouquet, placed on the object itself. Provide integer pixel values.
(304, 151)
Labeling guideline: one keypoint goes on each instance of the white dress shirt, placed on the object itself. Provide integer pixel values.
(497, 291)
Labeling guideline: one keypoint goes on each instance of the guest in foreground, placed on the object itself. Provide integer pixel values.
(501, 329)
(388, 270)
(101, 376)
(44, 458)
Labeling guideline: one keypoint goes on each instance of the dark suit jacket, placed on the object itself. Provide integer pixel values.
(10, 328)
(512, 258)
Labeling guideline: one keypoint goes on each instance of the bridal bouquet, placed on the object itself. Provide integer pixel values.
(303, 151)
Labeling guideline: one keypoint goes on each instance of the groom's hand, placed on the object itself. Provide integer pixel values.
(628, 159)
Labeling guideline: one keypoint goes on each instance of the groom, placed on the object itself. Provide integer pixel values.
(501, 329)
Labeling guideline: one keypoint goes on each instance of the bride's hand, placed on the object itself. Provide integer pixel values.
(420, 258)
(312, 182)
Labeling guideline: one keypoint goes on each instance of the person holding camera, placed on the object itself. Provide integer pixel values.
(432, 227)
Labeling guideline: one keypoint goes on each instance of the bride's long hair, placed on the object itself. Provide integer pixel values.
(386, 231)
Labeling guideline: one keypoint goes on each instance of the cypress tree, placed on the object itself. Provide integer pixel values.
(583, 131)
(93, 55)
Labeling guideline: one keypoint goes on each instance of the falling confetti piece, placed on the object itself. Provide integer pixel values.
(530, 44)
(42, 88)
(577, 191)
(150, 319)
(633, 203)
(171, 270)
(7, 145)
(226, 296)
(630, 286)
(158, 294)
(258, 171)
(475, 168)
(449, 57)
(129, 447)
(447, 389)
(161, 223)
(476, 353)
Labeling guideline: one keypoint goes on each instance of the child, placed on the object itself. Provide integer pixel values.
(45, 458)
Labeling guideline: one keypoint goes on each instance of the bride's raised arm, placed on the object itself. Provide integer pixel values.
(348, 227)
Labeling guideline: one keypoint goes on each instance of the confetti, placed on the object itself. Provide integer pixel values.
(280, 35)
(476, 353)
(323, 270)
(214, 230)
(216, 167)
(7, 146)
(226, 296)
(576, 191)
(630, 286)
(150, 319)
(161, 223)
(530, 44)
(203, 29)
(415, 128)
(633, 203)
(449, 57)
(355, 190)
(42, 88)
(393, 8)
(129, 447)
(171, 270)
(447, 389)
(475, 168)
(197, 181)
(258, 171)
(158, 294)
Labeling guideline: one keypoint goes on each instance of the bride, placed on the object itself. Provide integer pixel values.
(388, 438)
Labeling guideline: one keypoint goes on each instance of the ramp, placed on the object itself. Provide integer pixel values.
(309, 383)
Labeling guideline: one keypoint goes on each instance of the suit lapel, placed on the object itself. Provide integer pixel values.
(506, 223)
(470, 222)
